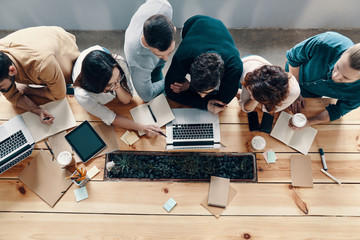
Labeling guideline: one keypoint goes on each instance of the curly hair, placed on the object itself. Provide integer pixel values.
(269, 85)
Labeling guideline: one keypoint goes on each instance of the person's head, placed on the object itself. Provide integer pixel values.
(100, 72)
(7, 72)
(347, 68)
(206, 73)
(268, 85)
(159, 35)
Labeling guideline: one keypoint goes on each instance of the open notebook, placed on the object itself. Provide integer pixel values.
(301, 139)
(157, 112)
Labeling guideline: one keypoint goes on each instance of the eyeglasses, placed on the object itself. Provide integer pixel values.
(112, 86)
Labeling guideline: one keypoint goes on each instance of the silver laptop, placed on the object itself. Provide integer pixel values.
(16, 143)
(193, 129)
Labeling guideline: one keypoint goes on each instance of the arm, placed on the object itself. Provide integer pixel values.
(320, 118)
(123, 122)
(123, 96)
(27, 104)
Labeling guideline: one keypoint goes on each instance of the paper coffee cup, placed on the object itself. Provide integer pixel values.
(258, 143)
(298, 120)
(64, 158)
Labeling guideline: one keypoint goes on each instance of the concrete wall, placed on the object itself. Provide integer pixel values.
(116, 14)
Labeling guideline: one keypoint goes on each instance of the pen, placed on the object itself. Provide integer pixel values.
(152, 114)
(53, 157)
(161, 133)
(330, 176)
(47, 118)
(323, 159)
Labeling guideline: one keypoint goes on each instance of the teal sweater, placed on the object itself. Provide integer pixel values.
(203, 34)
(316, 57)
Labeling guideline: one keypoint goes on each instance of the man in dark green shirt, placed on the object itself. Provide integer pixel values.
(328, 65)
(208, 53)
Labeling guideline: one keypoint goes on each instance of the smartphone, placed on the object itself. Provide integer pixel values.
(266, 122)
(217, 104)
(253, 121)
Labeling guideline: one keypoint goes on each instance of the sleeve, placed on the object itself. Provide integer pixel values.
(12, 95)
(303, 51)
(341, 108)
(141, 78)
(244, 97)
(53, 77)
(95, 108)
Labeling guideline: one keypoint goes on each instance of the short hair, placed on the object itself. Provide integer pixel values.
(354, 56)
(5, 63)
(206, 72)
(159, 32)
(96, 72)
(269, 85)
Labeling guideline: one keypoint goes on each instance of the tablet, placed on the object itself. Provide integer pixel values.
(85, 141)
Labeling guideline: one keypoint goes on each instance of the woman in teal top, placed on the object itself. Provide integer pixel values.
(327, 64)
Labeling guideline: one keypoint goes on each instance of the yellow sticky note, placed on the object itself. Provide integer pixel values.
(131, 138)
(92, 172)
(123, 138)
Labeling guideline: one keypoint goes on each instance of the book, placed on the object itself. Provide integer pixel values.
(157, 112)
(301, 173)
(218, 191)
(300, 139)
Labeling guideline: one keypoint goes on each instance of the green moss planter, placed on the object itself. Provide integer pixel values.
(181, 166)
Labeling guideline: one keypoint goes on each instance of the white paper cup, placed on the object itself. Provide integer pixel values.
(258, 143)
(298, 120)
(64, 158)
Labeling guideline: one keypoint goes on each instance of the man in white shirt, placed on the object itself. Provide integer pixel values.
(149, 40)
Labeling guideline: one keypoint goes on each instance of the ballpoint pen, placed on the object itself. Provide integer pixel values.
(152, 114)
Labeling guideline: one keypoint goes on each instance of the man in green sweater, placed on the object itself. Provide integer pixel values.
(327, 64)
(208, 53)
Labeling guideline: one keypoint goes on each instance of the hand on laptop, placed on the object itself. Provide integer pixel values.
(180, 87)
(215, 106)
(46, 117)
(151, 130)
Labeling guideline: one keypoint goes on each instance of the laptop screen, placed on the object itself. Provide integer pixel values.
(85, 141)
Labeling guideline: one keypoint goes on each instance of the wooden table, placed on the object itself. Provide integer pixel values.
(262, 210)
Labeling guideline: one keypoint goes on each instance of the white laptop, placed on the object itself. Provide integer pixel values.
(16, 143)
(193, 129)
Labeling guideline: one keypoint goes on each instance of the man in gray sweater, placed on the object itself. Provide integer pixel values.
(149, 40)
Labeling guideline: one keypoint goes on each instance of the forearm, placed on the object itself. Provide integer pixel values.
(126, 123)
(250, 105)
(27, 104)
(320, 118)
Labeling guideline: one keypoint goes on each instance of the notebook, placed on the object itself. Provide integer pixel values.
(300, 139)
(157, 112)
(218, 191)
(193, 129)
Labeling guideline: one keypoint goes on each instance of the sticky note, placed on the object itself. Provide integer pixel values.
(169, 204)
(131, 138)
(80, 194)
(123, 138)
(271, 157)
(92, 172)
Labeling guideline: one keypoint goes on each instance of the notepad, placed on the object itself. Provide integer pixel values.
(301, 172)
(300, 139)
(81, 194)
(129, 138)
(218, 191)
(170, 204)
(157, 112)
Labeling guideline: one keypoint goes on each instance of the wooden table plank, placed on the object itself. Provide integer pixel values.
(345, 167)
(253, 199)
(61, 226)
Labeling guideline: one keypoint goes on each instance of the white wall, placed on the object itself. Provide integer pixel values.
(116, 14)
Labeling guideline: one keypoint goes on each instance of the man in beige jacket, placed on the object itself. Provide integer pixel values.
(40, 56)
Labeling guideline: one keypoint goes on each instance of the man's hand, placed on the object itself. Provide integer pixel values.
(215, 106)
(46, 117)
(180, 87)
(296, 106)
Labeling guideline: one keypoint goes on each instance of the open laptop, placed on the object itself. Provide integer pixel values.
(193, 129)
(16, 143)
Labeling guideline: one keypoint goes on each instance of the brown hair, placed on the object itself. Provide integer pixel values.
(268, 85)
(354, 56)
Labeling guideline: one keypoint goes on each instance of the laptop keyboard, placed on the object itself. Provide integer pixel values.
(12, 143)
(193, 131)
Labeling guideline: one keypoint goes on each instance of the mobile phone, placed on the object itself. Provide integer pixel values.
(217, 104)
(266, 122)
(253, 121)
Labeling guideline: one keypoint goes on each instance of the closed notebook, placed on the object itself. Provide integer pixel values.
(218, 191)
(157, 112)
(300, 139)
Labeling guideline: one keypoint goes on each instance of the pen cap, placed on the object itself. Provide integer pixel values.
(321, 151)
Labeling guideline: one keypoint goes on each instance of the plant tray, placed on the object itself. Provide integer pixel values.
(181, 166)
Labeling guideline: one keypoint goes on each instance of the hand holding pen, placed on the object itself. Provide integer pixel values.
(46, 117)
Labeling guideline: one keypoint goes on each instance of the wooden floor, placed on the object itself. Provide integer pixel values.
(262, 210)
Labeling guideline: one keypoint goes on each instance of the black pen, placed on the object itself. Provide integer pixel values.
(53, 157)
(47, 118)
(161, 133)
(152, 114)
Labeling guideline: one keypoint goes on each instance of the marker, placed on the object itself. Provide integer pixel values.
(323, 159)
(330, 176)
(152, 114)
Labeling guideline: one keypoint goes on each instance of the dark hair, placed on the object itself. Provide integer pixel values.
(206, 71)
(159, 32)
(354, 56)
(5, 63)
(96, 72)
(268, 85)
